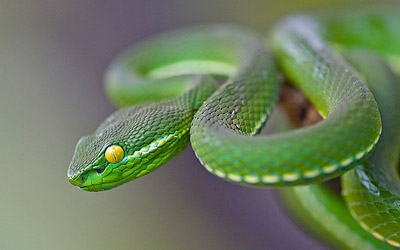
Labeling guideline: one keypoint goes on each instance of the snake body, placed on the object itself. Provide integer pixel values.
(184, 67)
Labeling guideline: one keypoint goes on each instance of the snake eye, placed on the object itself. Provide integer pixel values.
(114, 154)
(83, 179)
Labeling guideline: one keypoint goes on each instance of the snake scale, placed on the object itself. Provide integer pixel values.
(216, 86)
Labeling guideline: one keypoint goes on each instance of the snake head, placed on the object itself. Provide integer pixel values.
(131, 143)
(89, 169)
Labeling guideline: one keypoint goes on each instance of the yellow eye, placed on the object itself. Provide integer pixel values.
(114, 154)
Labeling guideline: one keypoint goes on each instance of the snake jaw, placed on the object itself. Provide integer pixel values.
(107, 176)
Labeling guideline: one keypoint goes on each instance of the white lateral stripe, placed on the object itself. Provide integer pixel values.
(346, 162)
(311, 173)
(219, 173)
(377, 235)
(251, 179)
(208, 168)
(377, 138)
(393, 243)
(270, 178)
(234, 177)
(329, 169)
(370, 147)
(290, 177)
(360, 155)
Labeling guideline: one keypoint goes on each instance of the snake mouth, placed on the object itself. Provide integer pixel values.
(90, 187)
(93, 188)
(84, 181)
(104, 178)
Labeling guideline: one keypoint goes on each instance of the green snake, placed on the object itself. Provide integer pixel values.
(217, 85)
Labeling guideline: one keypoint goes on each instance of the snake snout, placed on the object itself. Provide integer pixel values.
(78, 180)
(73, 181)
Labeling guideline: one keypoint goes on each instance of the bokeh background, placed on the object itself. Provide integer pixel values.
(52, 58)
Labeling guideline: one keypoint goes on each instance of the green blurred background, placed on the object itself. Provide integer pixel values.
(52, 59)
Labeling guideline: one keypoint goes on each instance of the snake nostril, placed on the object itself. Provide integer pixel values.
(83, 179)
(100, 170)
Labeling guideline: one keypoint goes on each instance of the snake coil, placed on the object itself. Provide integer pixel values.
(170, 87)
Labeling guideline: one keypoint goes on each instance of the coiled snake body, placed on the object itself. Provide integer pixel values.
(178, 73)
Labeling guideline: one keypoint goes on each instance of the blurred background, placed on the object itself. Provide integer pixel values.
(52, 59)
